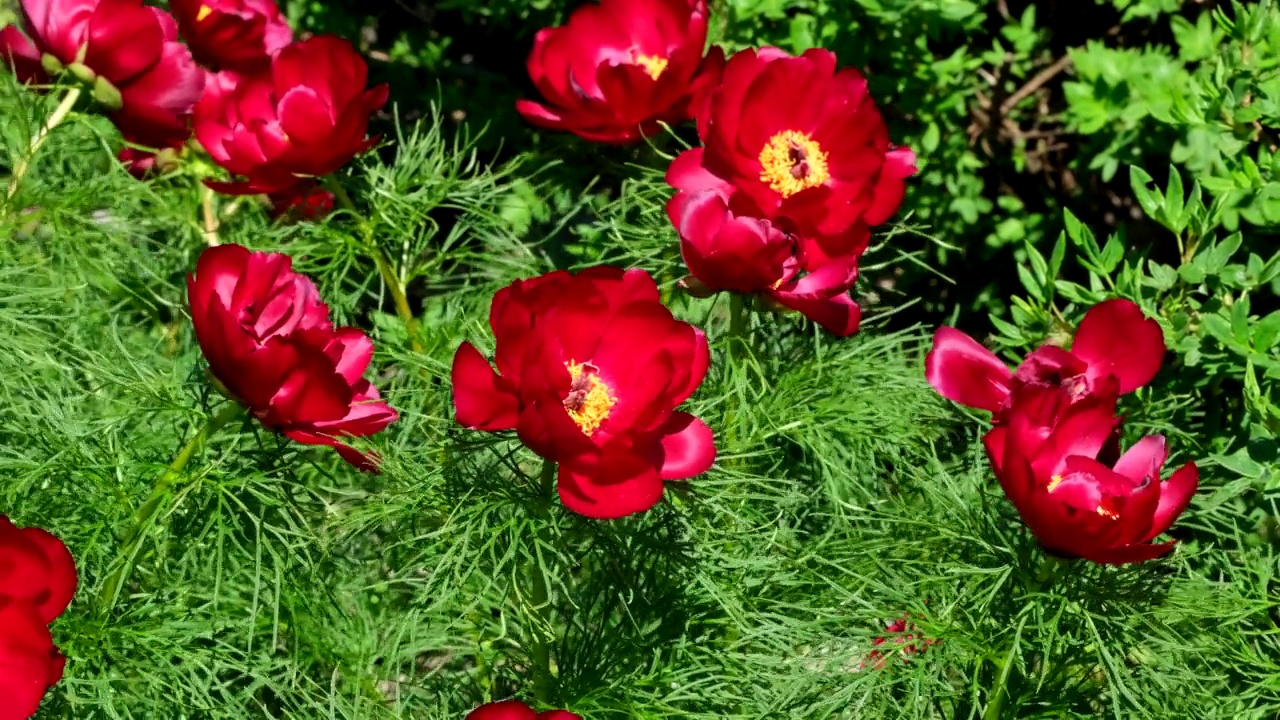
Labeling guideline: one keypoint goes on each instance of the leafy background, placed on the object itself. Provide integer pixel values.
(1070, 151)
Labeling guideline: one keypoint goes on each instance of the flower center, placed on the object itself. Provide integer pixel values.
(652, 64)
(204, 12)
(792, 161)
(1106, 507)
(589, 398)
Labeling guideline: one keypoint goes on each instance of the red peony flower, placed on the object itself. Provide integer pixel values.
(269, 342)
(621, 67)
(725, 251)
(128, 51)
(1058, 460)
(239, 35)
(1116, 351)
(516, 710)
(305, 118)
(590, 370)
(800, 142)
(36, 568)
(29, 662)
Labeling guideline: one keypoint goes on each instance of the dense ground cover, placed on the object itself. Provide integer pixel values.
(850, 553)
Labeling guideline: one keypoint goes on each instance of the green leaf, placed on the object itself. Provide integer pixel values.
(1174, 202)
(1266, 331)
(1150, 200)
(1056, 258)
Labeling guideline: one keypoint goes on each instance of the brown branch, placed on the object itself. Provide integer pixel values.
(1035, 83)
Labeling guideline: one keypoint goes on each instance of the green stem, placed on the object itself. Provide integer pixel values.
(385, 269)
(995, 705)
(544, 682)
(739, 331)
(55, 119)
(132, 541)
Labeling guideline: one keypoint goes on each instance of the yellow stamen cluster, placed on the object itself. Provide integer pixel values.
(792, 161)
(652, 64)
(589, 399)
(204, 12)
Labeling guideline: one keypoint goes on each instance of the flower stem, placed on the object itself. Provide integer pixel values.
(544, 682)
(209, 214)
(739, 321)
(132, 541)
(996, 698)
(388, 273)
(55, 119)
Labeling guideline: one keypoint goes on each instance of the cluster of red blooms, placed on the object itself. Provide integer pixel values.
(795, 169)
(276, 112)
(796, 165)
(37, 582)
(1055, 437)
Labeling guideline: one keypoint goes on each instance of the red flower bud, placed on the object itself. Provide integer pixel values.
(305, 117)
(239, 35)
(129, 51)
(619, 68)
(590, 370)
(269, 342)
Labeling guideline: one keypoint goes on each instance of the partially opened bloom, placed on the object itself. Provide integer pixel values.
(304, 118)
(30, 664)
(619, 68)
(128, 51)
(269, 343)
(239, 35)
(516, 710)
(1116, 350)
(749, 255)
(590, 370)
(1059, 463)
(800, 141)
(36, 568)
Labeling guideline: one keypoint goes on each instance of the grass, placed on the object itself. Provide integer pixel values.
(278, 582)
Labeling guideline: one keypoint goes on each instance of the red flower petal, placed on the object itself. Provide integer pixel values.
(963, 371)
(1115, 337)
(621, 485)
(482, 399)
(688, 447)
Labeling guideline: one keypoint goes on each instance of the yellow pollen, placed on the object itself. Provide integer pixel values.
(204, 12)
(589, 398)
(652, 64)
(1106, 510)
(1054, 482)
(792, 161)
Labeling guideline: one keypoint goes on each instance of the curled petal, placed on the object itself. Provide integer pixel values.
(963, 371)
(688, 447)
(482, 399)
(1116, 338)
(1175, 496)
